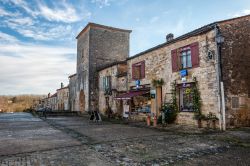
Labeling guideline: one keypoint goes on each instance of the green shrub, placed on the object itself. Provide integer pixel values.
(170, 113)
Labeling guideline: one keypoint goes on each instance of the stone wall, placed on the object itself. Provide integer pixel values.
(73, 98)
(235, 58)
(119, 85)
(97, 46)
(106, 47)
(63, 99)
(158, 65)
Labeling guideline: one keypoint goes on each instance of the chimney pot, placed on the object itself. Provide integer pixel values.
(169, 37)
(61, 85)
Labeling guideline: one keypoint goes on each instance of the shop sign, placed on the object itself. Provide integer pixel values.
(152, 93)
(184, 79)
(183, 73)
(137, 83)
(152, 96)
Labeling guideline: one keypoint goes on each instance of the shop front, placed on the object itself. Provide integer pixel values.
(136, 103)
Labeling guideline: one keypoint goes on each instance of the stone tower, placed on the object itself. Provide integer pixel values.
(97, 46)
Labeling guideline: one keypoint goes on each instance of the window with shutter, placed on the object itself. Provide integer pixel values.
(185, 57)
(174, 57)
(195, 54)
(138, 70)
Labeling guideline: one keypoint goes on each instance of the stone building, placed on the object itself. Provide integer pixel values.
(213, 58)
(97, 46)
(112, 82)
(63, 98)
(52, 102)
(73, 98)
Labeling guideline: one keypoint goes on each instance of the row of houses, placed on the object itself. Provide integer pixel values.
(213, 59)
(58, 101)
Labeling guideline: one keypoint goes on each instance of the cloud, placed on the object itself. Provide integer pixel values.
(60, 12)
(101, 3)
(38, 69)
(154, 19)
(25, 6)
(66, 13)
(241, 13)
(23, 21)
(3, 12)
(30, 28)
(60, 32)
(6, 38)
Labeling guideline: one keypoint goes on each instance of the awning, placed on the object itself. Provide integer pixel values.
(129, 95)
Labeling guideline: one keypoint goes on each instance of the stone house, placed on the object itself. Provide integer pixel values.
(73, 98)
(52, 102)
(63, 98)
(97, 46)
(213, 58)
(112, 82)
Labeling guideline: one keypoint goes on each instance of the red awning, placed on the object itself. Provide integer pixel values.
(130, 94)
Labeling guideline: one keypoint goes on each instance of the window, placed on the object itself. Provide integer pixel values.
(235, 102)
(186, 59)
(138, 70)
(186, 98)
(107, 83)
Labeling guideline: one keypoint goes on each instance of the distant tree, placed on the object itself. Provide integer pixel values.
(14, 99)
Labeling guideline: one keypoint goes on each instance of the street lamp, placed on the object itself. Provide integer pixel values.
(219, 39)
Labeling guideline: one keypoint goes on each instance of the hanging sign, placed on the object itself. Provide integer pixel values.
(183, 73)
(137, 83)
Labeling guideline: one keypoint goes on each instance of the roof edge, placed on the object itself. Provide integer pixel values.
(195, 32)
(91, 24)
(111, 65)
(72, 75)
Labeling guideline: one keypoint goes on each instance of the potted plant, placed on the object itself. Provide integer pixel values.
(211, 118)
(199, 117)
(157, 83)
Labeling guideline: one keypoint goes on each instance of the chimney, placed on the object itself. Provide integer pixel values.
(49, 95)
(169, 37)
(61, 85)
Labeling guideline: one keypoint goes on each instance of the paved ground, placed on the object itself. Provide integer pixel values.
(25, 140)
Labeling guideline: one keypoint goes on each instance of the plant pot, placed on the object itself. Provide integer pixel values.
(214, 124)
(199, 123)
(208, 124)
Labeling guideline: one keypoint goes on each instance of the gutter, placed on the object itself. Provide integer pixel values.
(221, 97)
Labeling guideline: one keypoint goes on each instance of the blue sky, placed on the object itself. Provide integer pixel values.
(37, 37)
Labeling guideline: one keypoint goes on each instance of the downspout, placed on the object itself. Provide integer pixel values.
(220, 85)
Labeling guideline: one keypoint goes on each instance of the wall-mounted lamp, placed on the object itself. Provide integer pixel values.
(219, 39)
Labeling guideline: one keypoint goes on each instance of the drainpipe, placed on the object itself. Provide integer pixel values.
(221, 98)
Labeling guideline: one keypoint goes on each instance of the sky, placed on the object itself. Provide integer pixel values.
(37, 37)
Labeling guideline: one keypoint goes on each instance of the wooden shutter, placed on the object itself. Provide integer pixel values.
(133, 71)
(142, 69)
(195, 54)
(174, 57)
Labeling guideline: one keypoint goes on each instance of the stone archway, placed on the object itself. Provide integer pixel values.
(82, 101)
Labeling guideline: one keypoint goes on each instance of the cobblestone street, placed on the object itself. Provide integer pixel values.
(27, 140)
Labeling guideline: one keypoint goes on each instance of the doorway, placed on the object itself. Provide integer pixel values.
(82, 101)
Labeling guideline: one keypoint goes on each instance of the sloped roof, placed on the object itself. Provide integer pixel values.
(195, 32)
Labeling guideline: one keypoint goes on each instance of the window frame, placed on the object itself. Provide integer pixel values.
(188, 54)
(181, 101)
(233, 104)
(141, 66)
